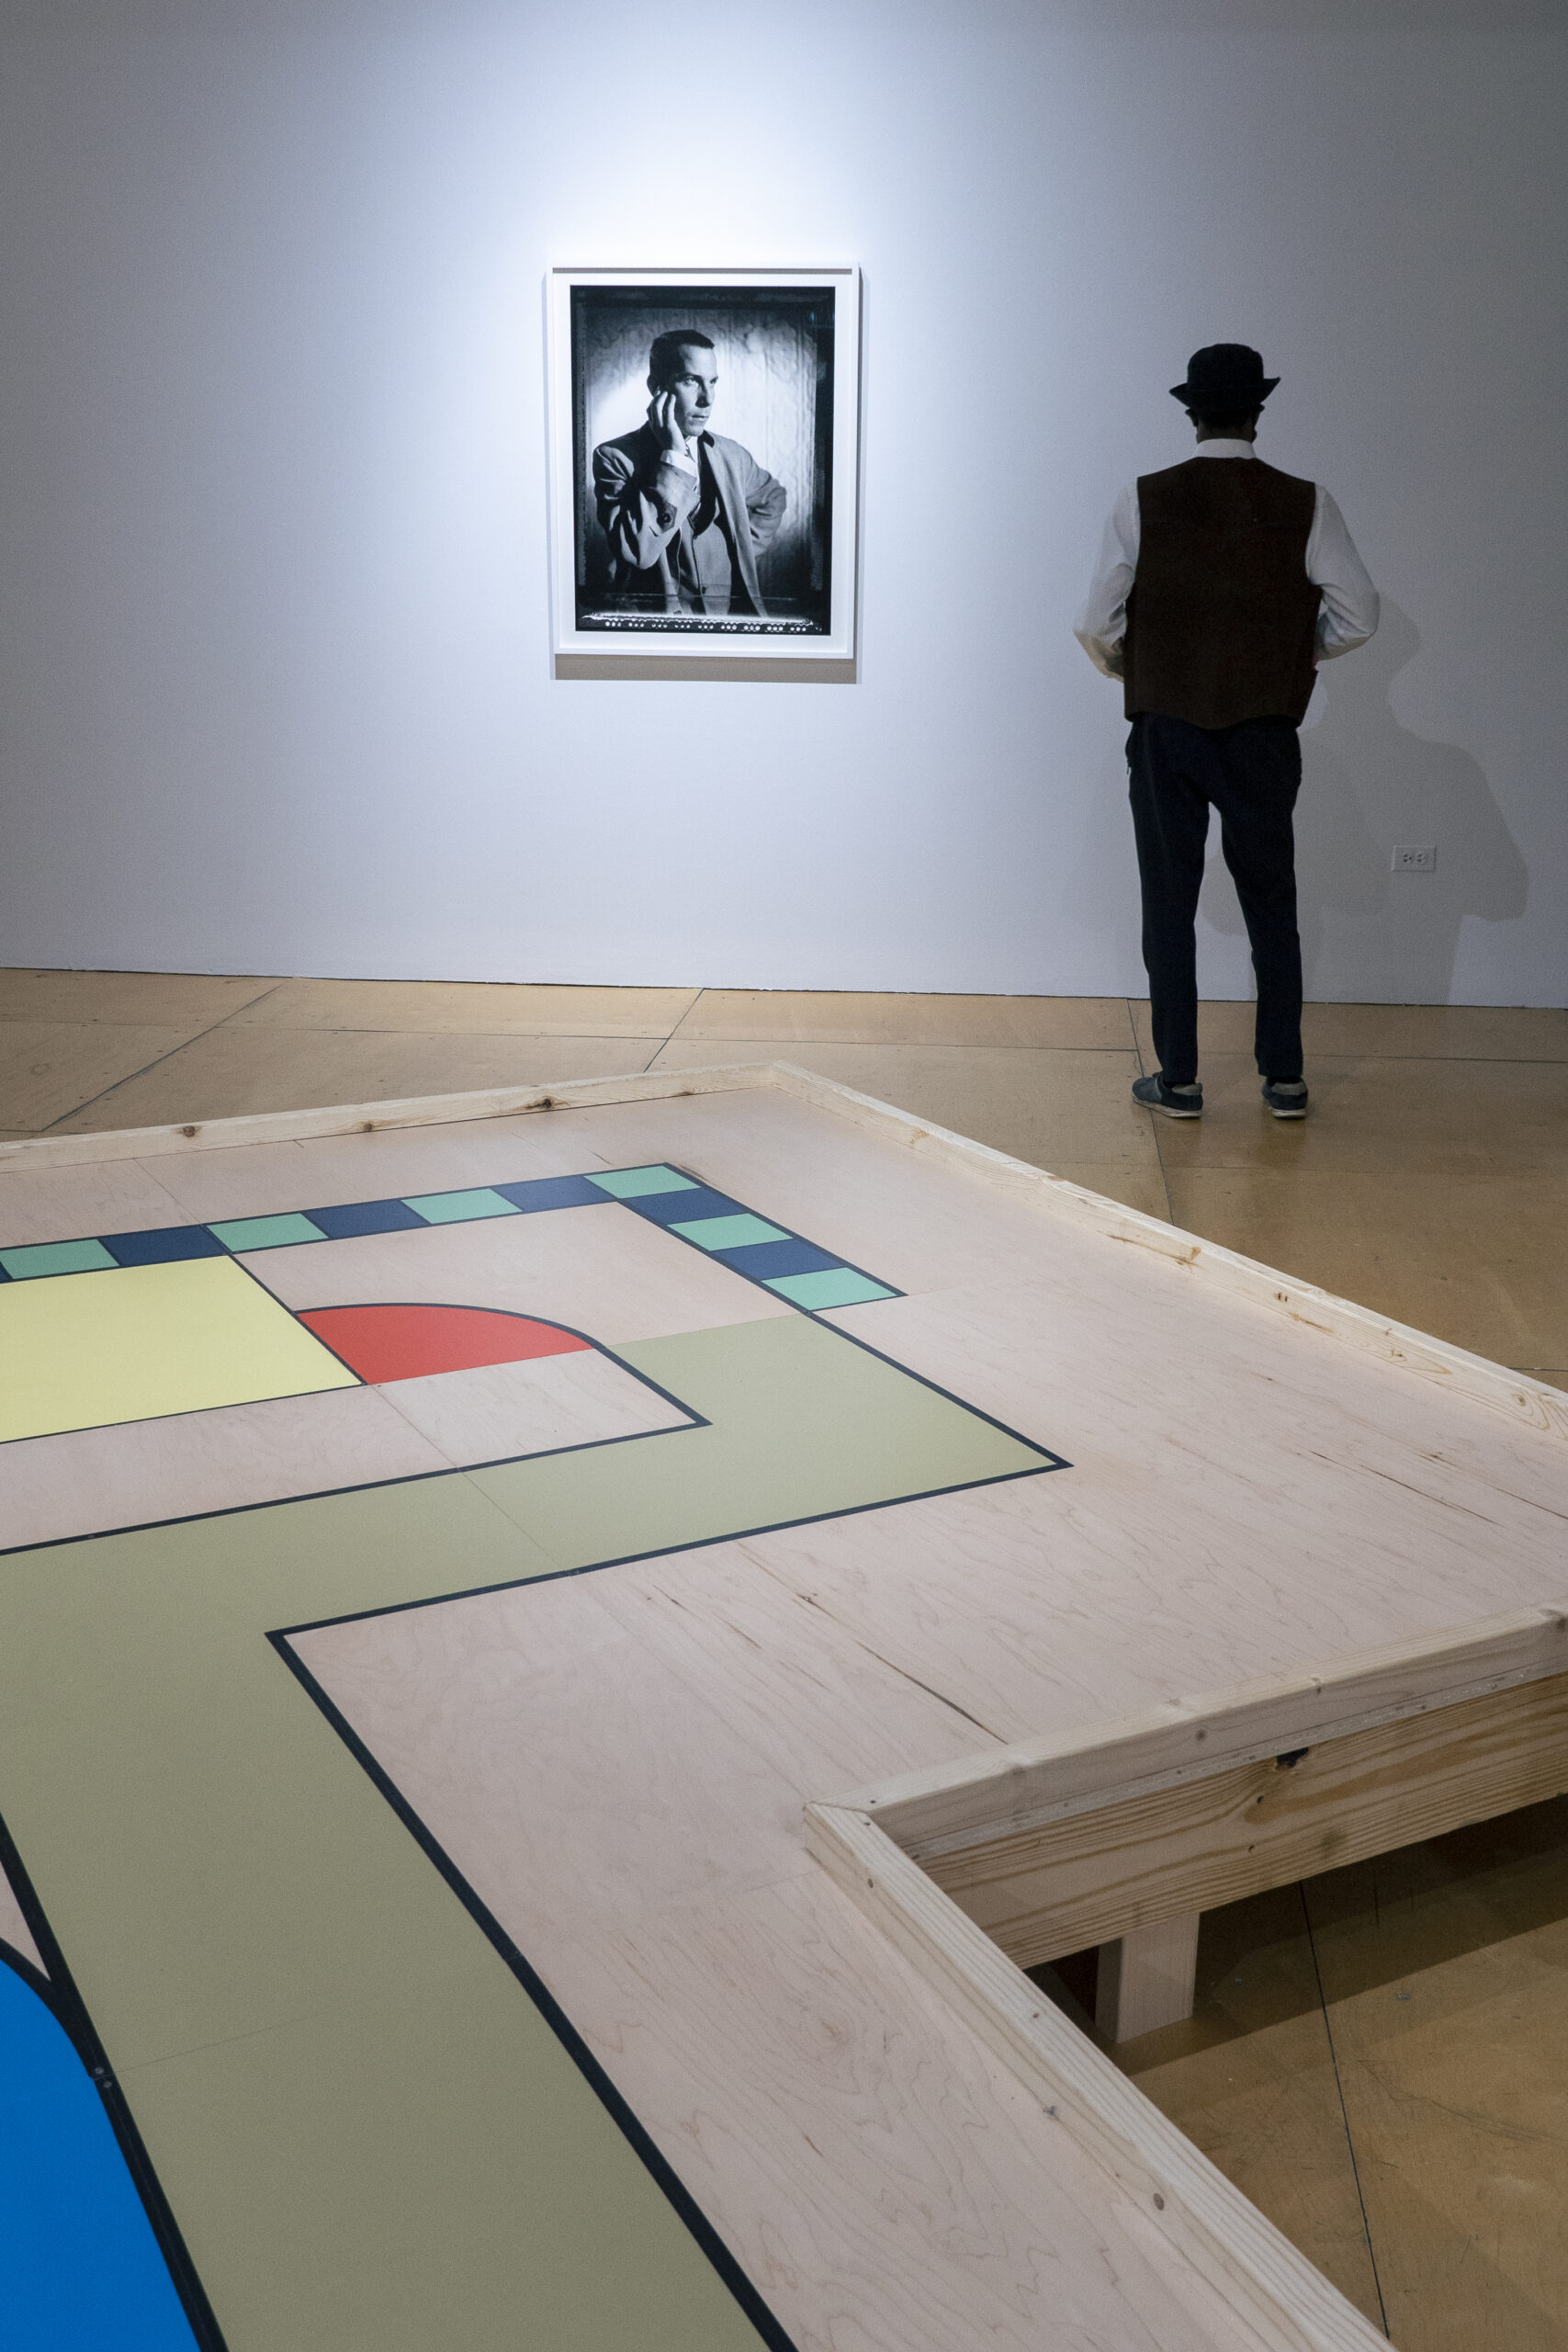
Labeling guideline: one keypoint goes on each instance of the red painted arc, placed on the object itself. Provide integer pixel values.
(394, 1341)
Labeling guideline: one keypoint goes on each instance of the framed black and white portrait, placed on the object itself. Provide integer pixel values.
(703, 428)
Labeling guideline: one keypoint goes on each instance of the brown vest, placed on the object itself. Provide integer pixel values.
(1222, 619)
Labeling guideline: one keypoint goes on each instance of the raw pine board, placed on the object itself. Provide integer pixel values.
(619, 1763)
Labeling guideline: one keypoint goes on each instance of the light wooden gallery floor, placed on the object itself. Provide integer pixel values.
(1379, 2058)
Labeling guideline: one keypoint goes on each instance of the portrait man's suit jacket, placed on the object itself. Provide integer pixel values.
(643, 508)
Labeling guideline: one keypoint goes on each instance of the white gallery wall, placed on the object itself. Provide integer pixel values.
(275, 693)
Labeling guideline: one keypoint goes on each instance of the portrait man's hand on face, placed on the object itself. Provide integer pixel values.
(686, 513)
(683, 404)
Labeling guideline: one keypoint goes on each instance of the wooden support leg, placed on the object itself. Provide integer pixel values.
(1146, 1979)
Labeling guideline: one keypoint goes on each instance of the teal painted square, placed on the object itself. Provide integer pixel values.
(54, 1257)
(266, 1232)
(634, 1184)
(839, 1286)
(458, 1208)
(728, 1232)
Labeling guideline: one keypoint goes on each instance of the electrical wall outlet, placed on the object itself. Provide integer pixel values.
(1410, 859)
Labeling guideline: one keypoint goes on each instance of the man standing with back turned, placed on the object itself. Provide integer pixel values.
(1221, 585)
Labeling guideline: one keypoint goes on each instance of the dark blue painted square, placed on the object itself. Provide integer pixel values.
(351, 1218)
(685, 1208)
(162, 1245)
(762, 1259)
(552, 1193)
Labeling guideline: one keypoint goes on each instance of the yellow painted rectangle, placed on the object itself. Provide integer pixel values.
(78, 1352)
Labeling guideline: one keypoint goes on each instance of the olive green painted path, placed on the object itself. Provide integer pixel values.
(370, 2137)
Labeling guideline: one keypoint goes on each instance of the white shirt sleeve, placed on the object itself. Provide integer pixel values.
(1101, 624)
(1349, 614)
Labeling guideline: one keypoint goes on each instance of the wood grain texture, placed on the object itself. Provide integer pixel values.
(1303, 1302)
(142, 1471)
(601, 1271)
(886, 2180)
(239, 1071)
(353, 1118)
(1257, 2275)
(501, 1410)
(1146, 1978)
(1124, 1867)
(100, 1197)
(1489, 1384)
(619, 1763)
(1032, 1782)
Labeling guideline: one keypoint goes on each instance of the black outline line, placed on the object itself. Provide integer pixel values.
(785, 1232)
(435, 1224)
(57, 1990)
(693, 1419)
(440, 1306)
(813, 1315)
(620, 2112)
(185, 1412)
(364, 1485)
(660, 1551)
(1048, 1461)
(616, 2104)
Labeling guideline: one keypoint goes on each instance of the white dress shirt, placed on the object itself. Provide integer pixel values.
(1348, 617)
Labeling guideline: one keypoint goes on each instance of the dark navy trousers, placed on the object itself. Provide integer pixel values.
(1251, 773)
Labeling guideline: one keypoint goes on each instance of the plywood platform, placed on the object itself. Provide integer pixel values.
(408, 1775)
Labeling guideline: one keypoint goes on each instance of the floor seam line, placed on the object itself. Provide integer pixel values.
(675, 1032)
(1339, 2093)
(156, 1063)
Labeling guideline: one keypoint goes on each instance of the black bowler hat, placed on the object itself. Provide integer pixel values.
(1225, 379)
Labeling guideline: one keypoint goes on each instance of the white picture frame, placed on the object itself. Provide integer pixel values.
(777, 581)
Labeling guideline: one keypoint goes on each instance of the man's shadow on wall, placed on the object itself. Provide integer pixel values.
(1368, 784)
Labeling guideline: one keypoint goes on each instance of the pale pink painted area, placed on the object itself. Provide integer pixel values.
(604, 1271)
(618, 1764)
(500, 1410)
(139, 1471)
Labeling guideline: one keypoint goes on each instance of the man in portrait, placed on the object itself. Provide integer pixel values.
(687, 513)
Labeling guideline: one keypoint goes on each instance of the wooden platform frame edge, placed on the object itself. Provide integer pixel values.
(1271, 2288)
(879, 1845)
(1488, 1384)
(1287, 2303)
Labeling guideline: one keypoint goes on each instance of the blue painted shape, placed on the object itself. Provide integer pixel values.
(351, 1218)
(163, 1245)
(762, 1259)
(557, 1192)
(685, 1208)
(80, 2267)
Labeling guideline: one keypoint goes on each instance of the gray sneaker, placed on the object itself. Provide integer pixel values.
(1176, 1101)
(1286, 1097)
